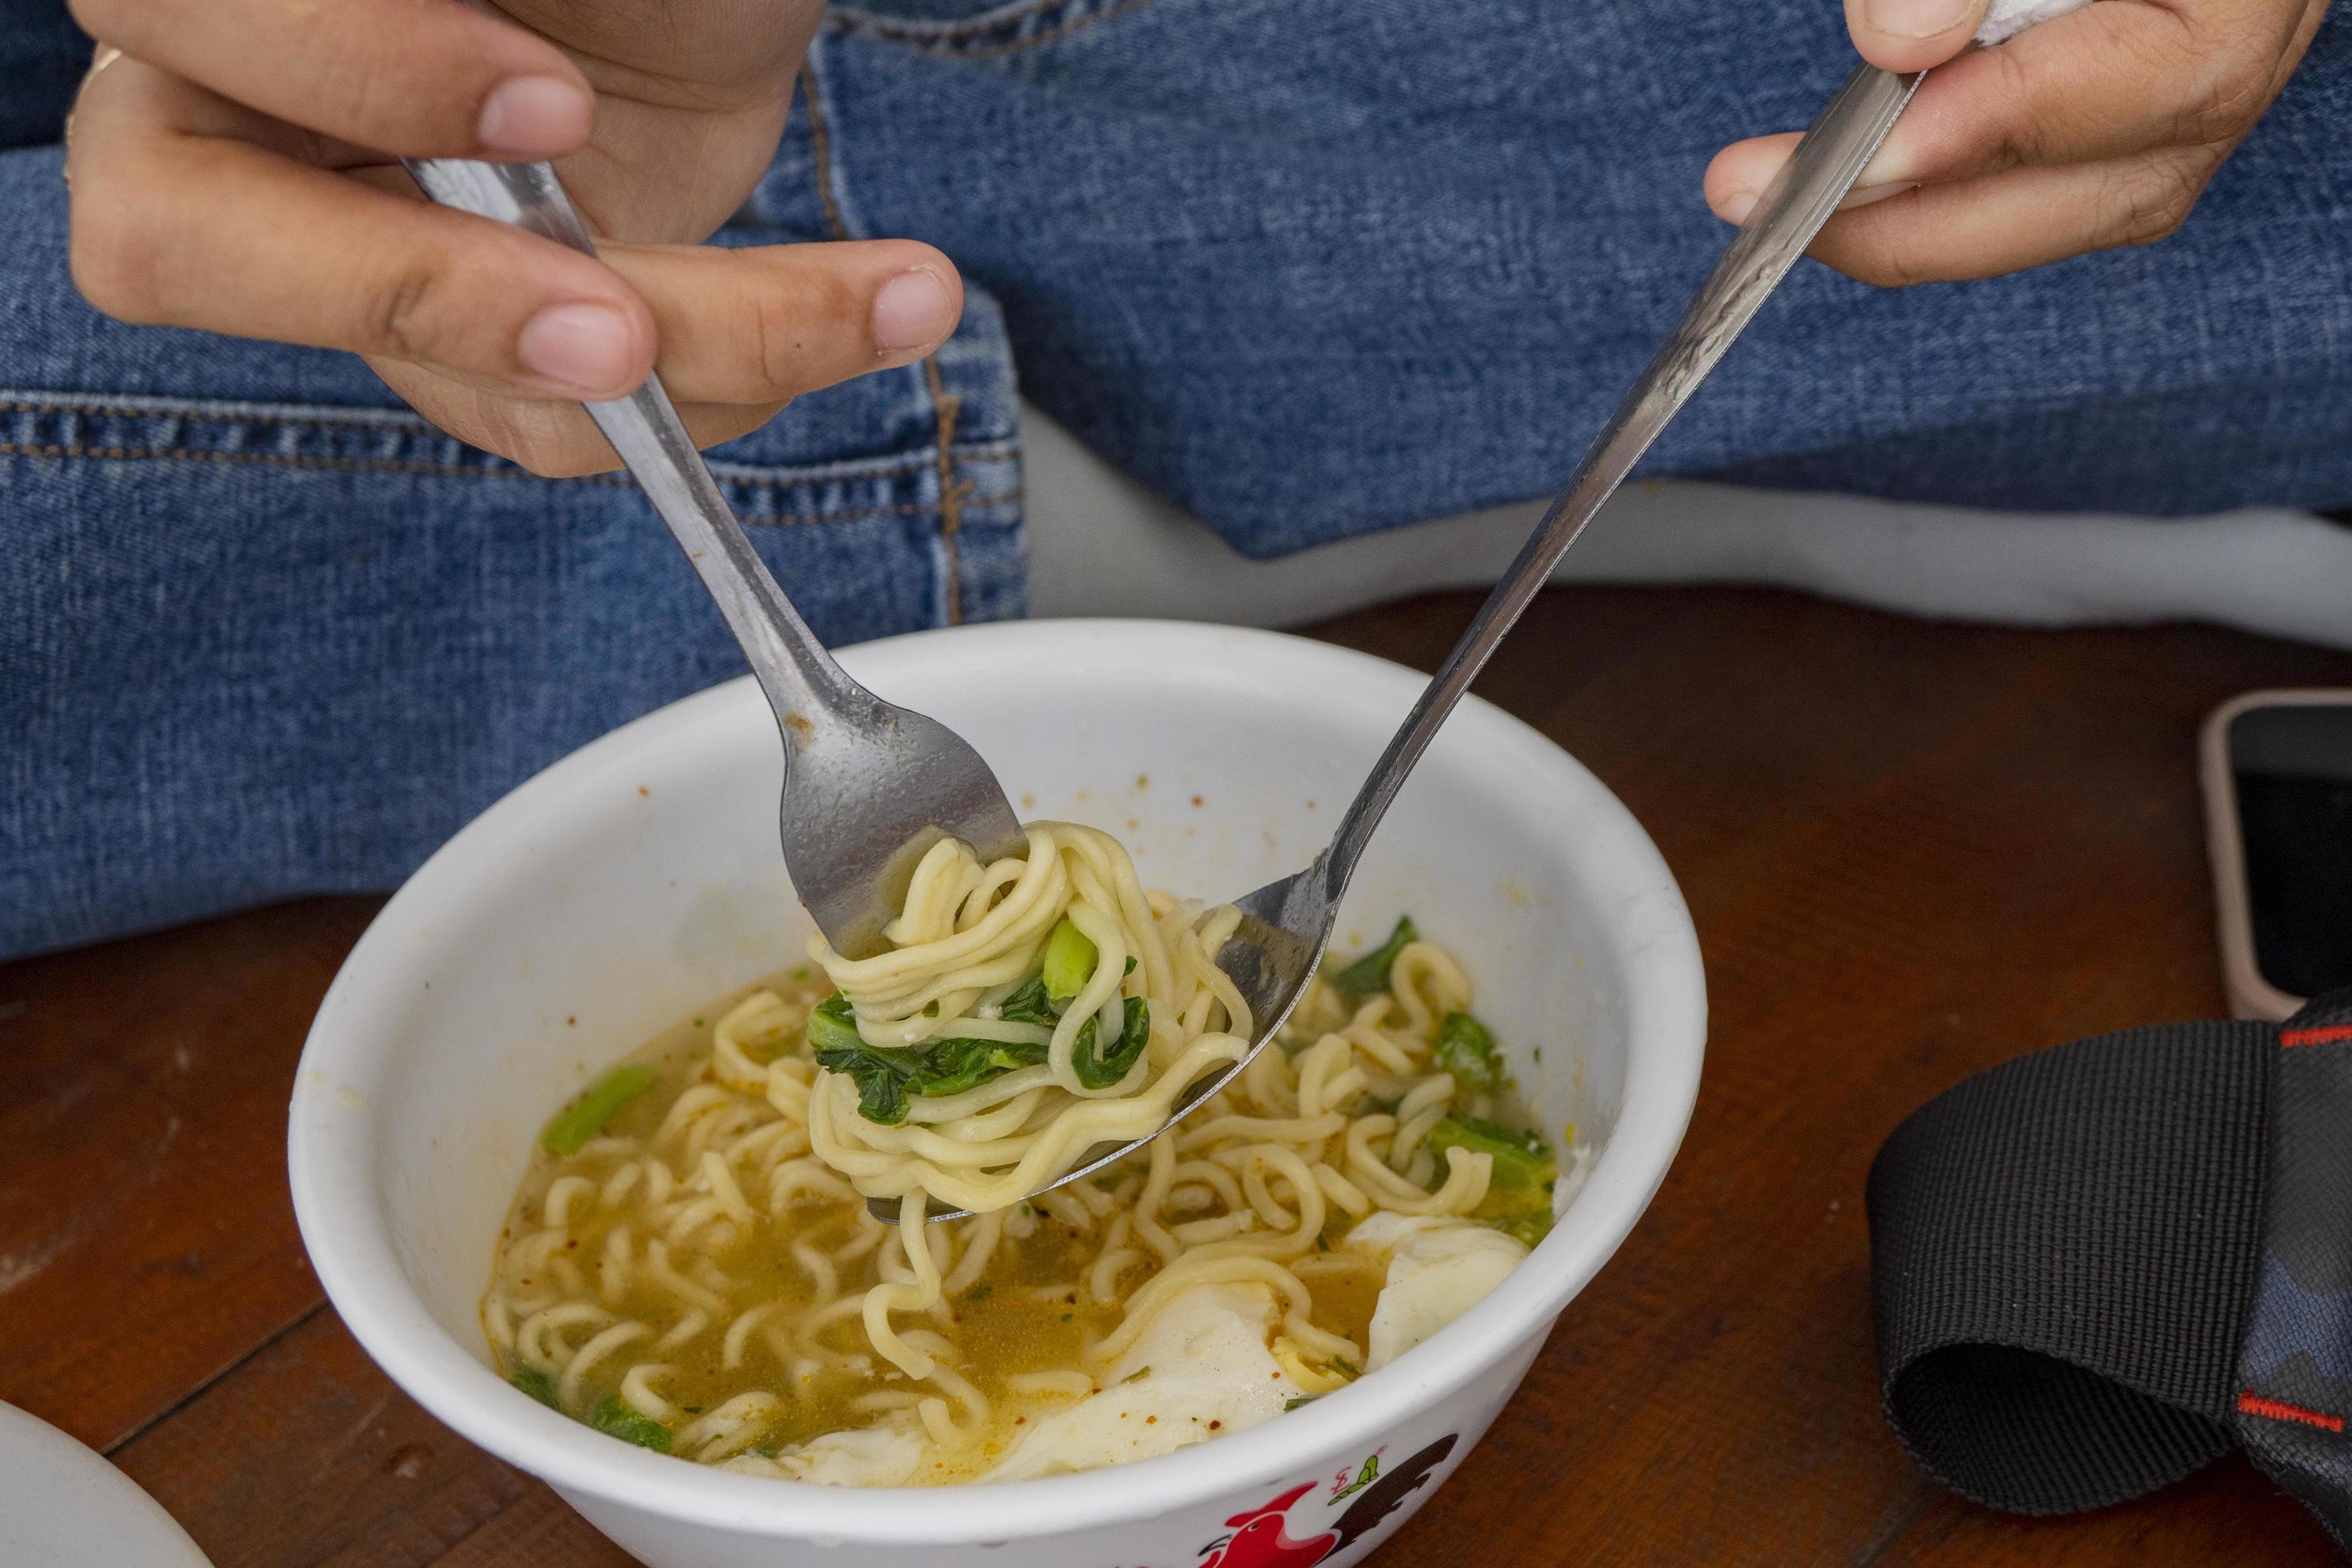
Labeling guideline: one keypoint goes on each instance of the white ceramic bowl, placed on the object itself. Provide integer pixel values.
(639, 878)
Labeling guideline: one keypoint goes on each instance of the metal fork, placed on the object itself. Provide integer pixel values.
(869, 787)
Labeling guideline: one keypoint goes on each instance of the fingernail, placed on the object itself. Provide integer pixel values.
(1736, 207)
(582, 347)
(912, 312)
(534, 117)
(1863, 196)
(1914, 18)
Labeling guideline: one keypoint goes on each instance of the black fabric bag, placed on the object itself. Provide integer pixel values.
(2099, 1267)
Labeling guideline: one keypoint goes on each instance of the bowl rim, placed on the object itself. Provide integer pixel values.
(349, 1242)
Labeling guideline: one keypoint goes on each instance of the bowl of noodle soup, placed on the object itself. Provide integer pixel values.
(633, 893)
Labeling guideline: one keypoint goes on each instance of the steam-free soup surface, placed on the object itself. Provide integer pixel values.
(681, 1270)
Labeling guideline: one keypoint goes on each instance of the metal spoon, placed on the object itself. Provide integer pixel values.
(1287, 925)
(869, 786)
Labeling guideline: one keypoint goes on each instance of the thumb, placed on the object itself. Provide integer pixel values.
(1912, 34)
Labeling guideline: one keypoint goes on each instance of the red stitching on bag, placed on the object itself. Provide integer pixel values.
(2254, 1404)
(2334, 1034)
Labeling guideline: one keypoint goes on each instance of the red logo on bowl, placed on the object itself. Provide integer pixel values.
(1261, 1537)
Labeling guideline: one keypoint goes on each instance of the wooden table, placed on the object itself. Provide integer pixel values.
(1912, 849)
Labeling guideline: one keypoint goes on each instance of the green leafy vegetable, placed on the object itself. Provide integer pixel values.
(950, 1066)
(1029, 1004)
(1101, 1072)
(832, 1027)
(1370, 973)
(1518, 1190)
(1290, 1404)
(539, 1385)
(1467, 1050)
(572, 1127)
(1070, 957)
(887, 1075)
(880, 1072)
(615, 1419)
(1508, 1144)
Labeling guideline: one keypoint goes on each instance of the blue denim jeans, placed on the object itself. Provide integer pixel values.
(1309, 267)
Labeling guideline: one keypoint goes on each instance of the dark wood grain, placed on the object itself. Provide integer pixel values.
(1912, 850)
(147, 1239)
(309, 1454)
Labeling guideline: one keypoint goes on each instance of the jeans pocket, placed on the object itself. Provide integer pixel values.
(252, 650)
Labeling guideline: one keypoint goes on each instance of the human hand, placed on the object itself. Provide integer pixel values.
(235, 169)
(2096, 129)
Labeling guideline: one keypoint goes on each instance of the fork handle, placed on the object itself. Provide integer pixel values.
(799, 675)
(1827, 161)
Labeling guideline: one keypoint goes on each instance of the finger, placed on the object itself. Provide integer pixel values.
(1737, 176)
(1912, 34)
(419, 79)
(176, 227)
(767, 324)
(2005, 223)
(742, 332)
(2102, 82)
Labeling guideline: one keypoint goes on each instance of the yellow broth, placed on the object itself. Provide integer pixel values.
(1032, 1308)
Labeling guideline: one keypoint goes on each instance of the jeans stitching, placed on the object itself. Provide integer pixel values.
(446, 470)
(393, 421)
(939, 42)
(281, 460)
(411, 424)
(364, 419)
(966, 27)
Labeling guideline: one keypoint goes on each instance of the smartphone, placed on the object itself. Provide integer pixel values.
(2277, 768)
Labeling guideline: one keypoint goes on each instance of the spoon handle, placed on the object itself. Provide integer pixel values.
(1819, 173)
(793, 668)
